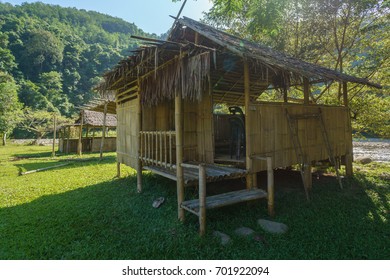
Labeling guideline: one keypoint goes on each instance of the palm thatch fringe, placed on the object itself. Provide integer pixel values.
(189, 76)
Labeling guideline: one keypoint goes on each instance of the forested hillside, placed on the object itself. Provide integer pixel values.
(56, 55)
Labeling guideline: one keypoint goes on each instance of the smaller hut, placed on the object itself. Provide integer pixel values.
(89, 131)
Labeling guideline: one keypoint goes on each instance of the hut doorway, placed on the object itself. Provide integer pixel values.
(229, 134)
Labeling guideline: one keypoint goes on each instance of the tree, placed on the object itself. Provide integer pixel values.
(9, 105)
(40, 122)
(349, 36)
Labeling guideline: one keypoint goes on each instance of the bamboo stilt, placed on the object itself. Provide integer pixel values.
(308, 177)
(67, 140)
(118, 169)
(139, 161)
(53, 152)
(179, 154)
(249, 167)
(306, 90)
(345, 94)
(202, 199)
(80, 144)
(270, 187)
(104, 130)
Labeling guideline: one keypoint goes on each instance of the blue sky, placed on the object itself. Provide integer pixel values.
(150, 15)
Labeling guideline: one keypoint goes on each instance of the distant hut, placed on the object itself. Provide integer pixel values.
(88, 130)
(165, 95)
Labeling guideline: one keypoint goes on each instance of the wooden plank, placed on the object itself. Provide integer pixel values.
(225, 199)
(161, 172)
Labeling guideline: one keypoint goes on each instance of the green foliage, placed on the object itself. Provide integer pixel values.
(349, 36)
(57, 55)
(9, 105)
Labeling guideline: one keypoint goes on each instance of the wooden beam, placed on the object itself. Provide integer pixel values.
(103, 130)
(306, 91)
(179, 153)
(249, 177)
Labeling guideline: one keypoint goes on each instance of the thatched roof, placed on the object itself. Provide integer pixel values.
(92, 118)
(161, 69)
(272, 58)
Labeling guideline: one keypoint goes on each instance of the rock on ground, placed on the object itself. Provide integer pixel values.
(244, 231)
(363, 160)
(272, 227)
(223, 237)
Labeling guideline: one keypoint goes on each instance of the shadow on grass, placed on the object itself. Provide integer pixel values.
(109, 220)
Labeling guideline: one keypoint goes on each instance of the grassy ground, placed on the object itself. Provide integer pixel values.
(81, 211)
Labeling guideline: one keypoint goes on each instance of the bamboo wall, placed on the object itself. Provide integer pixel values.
(127, 134)
(89, 144)
(271, 135)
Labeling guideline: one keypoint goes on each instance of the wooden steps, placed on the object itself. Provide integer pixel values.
(224, 199)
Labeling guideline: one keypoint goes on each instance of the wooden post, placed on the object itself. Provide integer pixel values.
(53, 152)
(307, 175)
(80, 144)
(202, 199)
(139, 128)
(285, 97)
(118, 169)
(62, 136)
(306, 90)
(249, 167)
(104, 130)
(270, 187)
(179, 154)
(67, 140)
(345, 94)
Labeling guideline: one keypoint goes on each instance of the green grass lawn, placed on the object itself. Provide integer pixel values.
(81, 211)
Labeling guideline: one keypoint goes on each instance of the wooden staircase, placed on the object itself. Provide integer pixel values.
(200, 205)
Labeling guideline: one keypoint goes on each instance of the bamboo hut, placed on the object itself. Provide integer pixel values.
(81, 136)
(165, 95)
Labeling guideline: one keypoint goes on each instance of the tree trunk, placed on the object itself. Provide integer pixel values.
(4, 139)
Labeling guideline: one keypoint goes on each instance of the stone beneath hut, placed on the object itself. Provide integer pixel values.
(244, 231)
(363, 160)
(272, 227)
(223, 237)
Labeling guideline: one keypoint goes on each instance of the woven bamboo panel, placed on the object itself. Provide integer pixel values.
(271, 136)
(127, 139)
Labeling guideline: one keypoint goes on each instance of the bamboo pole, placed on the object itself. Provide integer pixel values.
(67, 140)
(80, 144)
(249, 177)
(53, 152)
(139, 129)
(345, 94)
(118, 169)
(306, 91)
(104, 130)
(179, 154)
(202, 199)
(270, 187)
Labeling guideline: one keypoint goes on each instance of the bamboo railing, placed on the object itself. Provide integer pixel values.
(158, 148)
